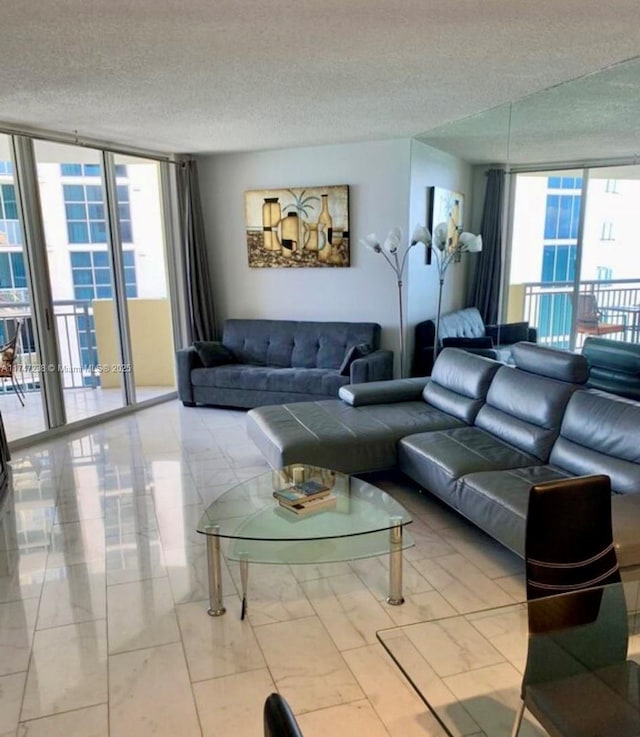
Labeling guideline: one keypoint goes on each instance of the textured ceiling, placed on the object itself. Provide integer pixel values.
(237, 75)
(592, 118)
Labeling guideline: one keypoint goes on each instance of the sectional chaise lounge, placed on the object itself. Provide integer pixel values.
(477, 434)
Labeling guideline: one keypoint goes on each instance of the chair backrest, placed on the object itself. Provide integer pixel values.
(278, 718)
(576, 606)
(9, 351)
(588, 313)
(569, 538)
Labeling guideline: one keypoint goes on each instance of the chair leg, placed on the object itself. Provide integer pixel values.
(17, 389)
(518, 721)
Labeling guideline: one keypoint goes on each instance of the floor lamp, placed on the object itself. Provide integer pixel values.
(390, 249)
(446, 250)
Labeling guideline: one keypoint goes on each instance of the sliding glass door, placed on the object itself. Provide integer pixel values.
(140, 227)
(574, 270)
(83, 282)
(78, 253)
(24, 415)
(608, 303)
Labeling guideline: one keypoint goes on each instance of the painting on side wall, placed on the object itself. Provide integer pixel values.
(298, 227)
(445, 206)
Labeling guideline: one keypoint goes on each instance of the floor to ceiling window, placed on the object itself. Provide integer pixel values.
(21, 417)
(102, 255)
(574, 269)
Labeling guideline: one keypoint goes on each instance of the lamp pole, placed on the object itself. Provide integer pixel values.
(437, 330)
(401, 321)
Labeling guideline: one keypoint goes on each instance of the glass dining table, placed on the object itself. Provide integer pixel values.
(579, 652)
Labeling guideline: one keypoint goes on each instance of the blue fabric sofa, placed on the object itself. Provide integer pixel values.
(262, 362)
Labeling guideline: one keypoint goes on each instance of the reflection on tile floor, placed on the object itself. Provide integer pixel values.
(103, 623)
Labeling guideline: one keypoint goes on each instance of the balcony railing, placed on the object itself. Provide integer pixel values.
(76, 342)
(549, 307)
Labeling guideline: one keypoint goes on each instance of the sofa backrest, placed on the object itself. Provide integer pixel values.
(459, 383)
(525, 405)
(600, 433)
(293, 344)
(550, 362)
(467, 323)
(614, 366)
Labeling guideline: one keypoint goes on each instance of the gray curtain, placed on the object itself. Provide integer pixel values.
(485, 293)
(194, 249)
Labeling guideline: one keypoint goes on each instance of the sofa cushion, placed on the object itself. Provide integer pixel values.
(509, 333)
(484, 342)
(459, 383)
(465, 323)
(497, 500)
(550, 362)
(614, 366)
(438, 459)
(264, 378)
(352, 354)
(336, 435)
(525, 410)
(213, 353)
(599, 434)
(289, 343)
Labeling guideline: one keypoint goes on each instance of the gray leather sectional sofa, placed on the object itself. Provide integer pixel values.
(260, 362)
(477, 434)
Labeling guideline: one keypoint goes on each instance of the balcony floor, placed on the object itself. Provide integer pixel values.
(80, 404)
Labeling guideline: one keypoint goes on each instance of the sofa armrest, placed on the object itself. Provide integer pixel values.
(533, 335)
(186, 359)
(376, 366)
(508, 333)
(383, 392)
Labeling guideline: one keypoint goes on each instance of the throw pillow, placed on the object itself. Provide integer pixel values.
(213, 353)
(353, 352)
(484, 342)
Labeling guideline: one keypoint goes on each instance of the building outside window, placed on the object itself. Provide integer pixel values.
(561, 223)
(10, 234)
(606, 233)
(85, 205)
(91, 276)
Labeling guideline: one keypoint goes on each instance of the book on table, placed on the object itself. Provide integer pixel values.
(328, 501)
(301, 493)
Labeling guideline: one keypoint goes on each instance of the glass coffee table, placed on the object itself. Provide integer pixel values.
(365, 522)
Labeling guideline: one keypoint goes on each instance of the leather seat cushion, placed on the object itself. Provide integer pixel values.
(497, 500)
(438, 459)
(335, 435)
(265, 378)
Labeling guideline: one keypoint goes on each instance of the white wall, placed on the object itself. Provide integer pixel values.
(378, 177)
(431, 167)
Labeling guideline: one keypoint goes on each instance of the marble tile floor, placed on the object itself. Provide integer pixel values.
(103, 623)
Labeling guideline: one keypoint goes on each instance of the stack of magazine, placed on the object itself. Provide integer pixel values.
(306, 497)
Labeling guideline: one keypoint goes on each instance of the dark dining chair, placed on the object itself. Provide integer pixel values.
(278, 718)
(8, 354)
(577, 680)
(589, 318)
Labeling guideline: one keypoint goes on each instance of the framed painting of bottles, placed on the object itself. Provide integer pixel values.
(298, 227)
